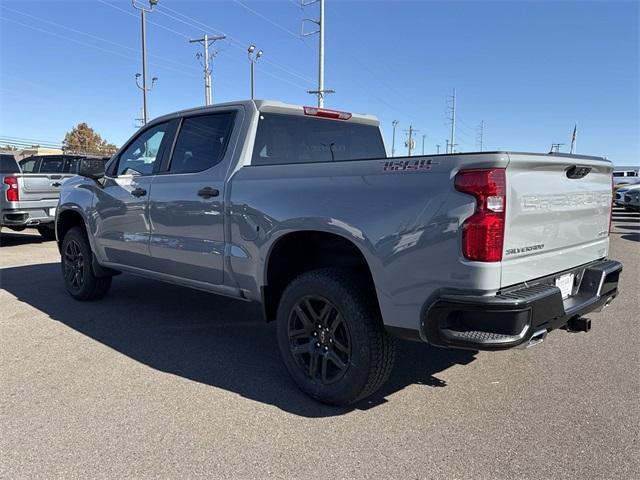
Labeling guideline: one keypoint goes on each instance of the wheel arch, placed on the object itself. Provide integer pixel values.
(296, 252)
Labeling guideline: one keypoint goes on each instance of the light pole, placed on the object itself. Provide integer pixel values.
(252, 60)
(423, 137)
(393, 141)
(144, 88)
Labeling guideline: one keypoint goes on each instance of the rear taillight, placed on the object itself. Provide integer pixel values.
(12, 189)
(483, 232)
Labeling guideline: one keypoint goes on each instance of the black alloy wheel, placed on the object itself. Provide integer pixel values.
(319, 339)
(74, 265)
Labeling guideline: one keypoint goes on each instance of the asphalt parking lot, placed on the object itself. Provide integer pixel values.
(156, 381)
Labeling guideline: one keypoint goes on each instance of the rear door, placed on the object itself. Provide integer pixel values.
(187, 200)
(557, 214)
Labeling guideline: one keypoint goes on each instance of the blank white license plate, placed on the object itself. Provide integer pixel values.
(565, 284)
(52, 212)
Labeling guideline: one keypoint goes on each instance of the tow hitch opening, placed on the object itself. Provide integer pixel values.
(579, 324)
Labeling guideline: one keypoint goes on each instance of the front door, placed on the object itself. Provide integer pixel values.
(187, 206)
(122, 205)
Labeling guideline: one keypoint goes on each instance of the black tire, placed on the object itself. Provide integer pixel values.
(79, 278)
(353, 353)
(48, 233)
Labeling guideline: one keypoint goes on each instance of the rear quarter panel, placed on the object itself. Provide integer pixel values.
(405, 222)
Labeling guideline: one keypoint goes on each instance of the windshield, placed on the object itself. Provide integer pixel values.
(284, 139)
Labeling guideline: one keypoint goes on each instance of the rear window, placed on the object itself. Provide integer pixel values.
(51, 164)
(295, 139)
(28, 165)
(8, 164)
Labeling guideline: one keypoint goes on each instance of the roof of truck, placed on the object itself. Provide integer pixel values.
(273, 106)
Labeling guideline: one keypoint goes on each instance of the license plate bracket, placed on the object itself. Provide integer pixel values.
(565, 284)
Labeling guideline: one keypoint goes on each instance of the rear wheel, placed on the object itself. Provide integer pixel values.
(79, 278)
(331, 337)
(48, 233)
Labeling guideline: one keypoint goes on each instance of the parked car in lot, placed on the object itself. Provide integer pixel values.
(625, 176)
(622, 191)
(31, 188)
(299, 209)
(632, 200)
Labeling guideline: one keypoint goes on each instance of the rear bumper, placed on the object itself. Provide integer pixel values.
(26, 217)
(514, 316)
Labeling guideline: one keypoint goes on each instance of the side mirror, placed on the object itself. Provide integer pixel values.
(92, 168)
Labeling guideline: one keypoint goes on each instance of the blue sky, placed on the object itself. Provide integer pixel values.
(530, 70)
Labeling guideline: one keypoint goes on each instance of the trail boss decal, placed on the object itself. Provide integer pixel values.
(418, 165)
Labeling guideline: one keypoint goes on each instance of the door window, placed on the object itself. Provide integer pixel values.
(201, 142)
(141, 155)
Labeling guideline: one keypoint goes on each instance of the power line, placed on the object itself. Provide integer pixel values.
(90, 35)
(234, 41)
(275, 24)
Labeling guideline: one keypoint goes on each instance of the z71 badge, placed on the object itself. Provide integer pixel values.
(417, 165)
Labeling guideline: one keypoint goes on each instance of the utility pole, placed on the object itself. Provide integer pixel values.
(206, 42)
(252, 60)
(321, 91)
(423, 137)
(438, 149)
(393, 141)
(410, 143)
(481, 135)
(573, 139)
(452, 143)
(144, 87)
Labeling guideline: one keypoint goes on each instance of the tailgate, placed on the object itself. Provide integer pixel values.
(41, 186)
(557, 214)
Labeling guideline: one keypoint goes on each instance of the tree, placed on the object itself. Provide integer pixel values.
(83, 139)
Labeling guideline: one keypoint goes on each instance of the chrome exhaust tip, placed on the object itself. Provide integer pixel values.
(537, 338)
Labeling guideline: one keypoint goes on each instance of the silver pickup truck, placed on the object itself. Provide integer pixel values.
(300, 209)
(31, 188)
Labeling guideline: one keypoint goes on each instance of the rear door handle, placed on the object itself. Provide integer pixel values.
(208, 192)
(138, 192)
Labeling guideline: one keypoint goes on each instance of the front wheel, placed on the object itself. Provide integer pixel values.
(331, 337)
(79, 278)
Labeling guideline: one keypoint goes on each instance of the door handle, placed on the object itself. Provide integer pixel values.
(138, 192)
(208, 192)
(56, 184)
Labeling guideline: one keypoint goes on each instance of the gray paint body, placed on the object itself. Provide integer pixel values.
(406, 224)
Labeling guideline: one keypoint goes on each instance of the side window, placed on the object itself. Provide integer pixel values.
(141, 155)
(71, 164)
(201, 142)
(28, 165)
(51, 164)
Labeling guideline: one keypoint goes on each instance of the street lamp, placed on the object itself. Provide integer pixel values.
(252, 60)
(143, 87)
(393, 141)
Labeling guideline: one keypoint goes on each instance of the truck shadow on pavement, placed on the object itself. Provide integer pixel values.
(13, 239)
(203, 337)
